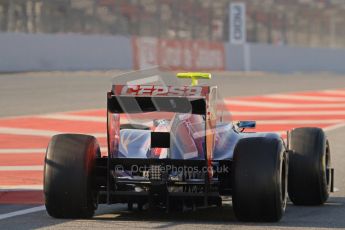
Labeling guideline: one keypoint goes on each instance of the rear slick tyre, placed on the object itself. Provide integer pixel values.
(309, 182)
(68, 176)
(259, 179)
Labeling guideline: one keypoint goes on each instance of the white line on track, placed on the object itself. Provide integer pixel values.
(289, 113)
(298, 122)
(33, 187)
(74, 117)
(305, 97)
(284, 113)
(20, 151)
(29, 151)
(334, 92)
(282, 105)
(37, 132)
(22, 168)
(22, 212)
(68, 117)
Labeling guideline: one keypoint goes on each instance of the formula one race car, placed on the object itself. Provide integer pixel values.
(175, 147)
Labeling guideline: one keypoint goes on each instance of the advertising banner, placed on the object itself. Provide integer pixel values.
(237, 23)
(178, 54)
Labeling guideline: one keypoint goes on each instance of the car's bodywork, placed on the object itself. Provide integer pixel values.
(174, 146)
(191, 157)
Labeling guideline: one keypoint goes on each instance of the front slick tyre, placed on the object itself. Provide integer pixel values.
(259, 179)
(68, 176)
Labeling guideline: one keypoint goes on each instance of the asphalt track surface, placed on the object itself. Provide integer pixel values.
(35, 106)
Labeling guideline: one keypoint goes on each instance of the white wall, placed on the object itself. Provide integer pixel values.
(28, 52)
(285, 59)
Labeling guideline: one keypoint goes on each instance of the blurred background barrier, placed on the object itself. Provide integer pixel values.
(285, 59)
(44, 52)
(294, 35)
(178, 54)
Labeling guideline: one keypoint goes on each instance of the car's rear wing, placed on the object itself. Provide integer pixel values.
(160, 90)
(124, 99)
(153, 98)
(134, 104)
